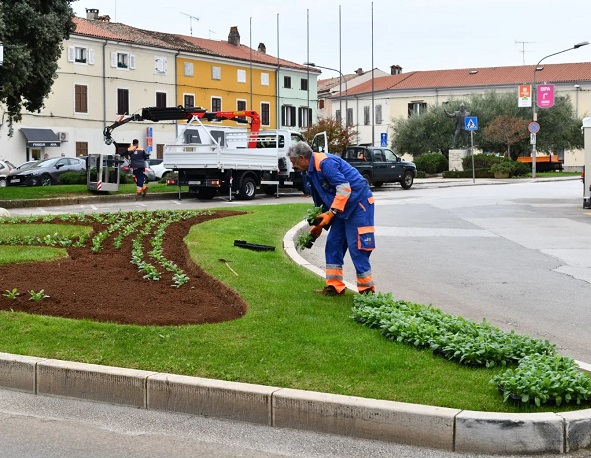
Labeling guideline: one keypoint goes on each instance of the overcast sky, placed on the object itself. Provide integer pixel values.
(415, 34)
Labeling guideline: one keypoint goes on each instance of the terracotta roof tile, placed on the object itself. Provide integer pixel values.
(487, 76)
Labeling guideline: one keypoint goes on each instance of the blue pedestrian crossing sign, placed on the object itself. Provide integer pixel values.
(384, 139)
(471, 123)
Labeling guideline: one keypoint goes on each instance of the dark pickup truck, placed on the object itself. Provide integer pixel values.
(380, 165)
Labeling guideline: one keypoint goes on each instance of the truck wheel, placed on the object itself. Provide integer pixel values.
(248, 189)
(367, 177)
(407, 180)
(378, 184)
(270, 189)
(206, 193)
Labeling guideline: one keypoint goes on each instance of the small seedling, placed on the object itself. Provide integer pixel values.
(11, 294)
(304, 240)
(37, 296)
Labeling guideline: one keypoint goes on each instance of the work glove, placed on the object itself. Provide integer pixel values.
(324, 219)
(316, 231)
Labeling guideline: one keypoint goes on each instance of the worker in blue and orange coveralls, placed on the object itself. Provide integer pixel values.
(348, 206)
(137, 158)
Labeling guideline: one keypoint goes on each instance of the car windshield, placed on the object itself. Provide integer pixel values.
(47, 162)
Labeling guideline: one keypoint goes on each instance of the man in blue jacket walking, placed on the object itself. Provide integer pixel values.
(348, 206)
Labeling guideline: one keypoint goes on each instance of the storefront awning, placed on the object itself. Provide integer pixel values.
(40, 137)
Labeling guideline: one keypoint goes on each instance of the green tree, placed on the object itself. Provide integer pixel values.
(338, 136)
(33, 32)
(434, 132)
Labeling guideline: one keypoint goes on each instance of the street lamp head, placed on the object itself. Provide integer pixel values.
(582, 43)
(310, 64)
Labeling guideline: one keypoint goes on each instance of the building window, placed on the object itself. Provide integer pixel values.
(366, 115)
(161, 99)
(160, 64)
(265, 114)
(80, 55)
(321, 104)
(122, 60)
(241, 76)
(304, 116)
(189, 100)
(337, 115)
(378, 114)
(122, 101)
(288, 116)
(81, 149)
(304, 84)
(416, 108)
(81, 98)
(287, 82)
(216, 73)
(241, 106)
(264, 79)
(349, 116)
(188, 69)
(216, 104)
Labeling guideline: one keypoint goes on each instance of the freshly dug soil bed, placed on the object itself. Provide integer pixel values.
(106, 287)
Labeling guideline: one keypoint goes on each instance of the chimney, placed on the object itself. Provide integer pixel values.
(359, 71)
(395, 70)
(262, 48)
(234, 36)
(92, 13)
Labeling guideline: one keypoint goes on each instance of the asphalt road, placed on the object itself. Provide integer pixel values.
(517, 255)
(45, 427)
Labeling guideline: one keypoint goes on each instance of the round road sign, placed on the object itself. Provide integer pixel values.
(533, 127)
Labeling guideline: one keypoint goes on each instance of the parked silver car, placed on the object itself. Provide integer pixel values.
(5, 168)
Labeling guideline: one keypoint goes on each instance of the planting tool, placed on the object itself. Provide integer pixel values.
(228, 265)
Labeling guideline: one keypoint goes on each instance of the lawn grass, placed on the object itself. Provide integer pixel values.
(290, 337)
(74, 190)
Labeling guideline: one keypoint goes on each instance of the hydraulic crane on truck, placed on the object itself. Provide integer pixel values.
(156, 114)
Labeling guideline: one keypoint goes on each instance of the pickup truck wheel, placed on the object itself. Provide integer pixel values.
(248, 189)
(367, 177)
(206, 193)
(407, 180)
(378, 184)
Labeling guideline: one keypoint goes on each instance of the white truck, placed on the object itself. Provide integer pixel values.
(211, 158)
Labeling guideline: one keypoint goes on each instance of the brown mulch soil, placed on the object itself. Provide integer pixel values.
(106, 287)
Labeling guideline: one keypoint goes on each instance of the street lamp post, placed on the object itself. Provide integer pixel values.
(534, 101)
(311, 64)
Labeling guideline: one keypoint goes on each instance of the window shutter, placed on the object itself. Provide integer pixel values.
(114, 59)
(188, 69)
(132, 61)
(165, 65)
(90, 56)
(71, 53)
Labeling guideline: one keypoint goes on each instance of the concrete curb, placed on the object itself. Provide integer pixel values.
(471, 432)
(404, 423)
(86, 200)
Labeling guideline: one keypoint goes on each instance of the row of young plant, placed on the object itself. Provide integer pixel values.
(542, 376)
(140, 224)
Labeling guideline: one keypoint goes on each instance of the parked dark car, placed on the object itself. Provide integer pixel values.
(45, 172)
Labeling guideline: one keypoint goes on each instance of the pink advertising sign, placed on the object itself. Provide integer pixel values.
(545, 95)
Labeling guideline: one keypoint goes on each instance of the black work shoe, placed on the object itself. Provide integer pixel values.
(329, 291)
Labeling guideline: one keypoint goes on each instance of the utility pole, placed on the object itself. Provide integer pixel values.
(191, 21)
(523, 43)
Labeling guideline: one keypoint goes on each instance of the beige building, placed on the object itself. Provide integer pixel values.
(402, 94)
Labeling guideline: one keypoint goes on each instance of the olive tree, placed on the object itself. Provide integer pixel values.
(33, 32)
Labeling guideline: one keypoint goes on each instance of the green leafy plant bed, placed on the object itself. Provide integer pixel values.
(542, 376)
